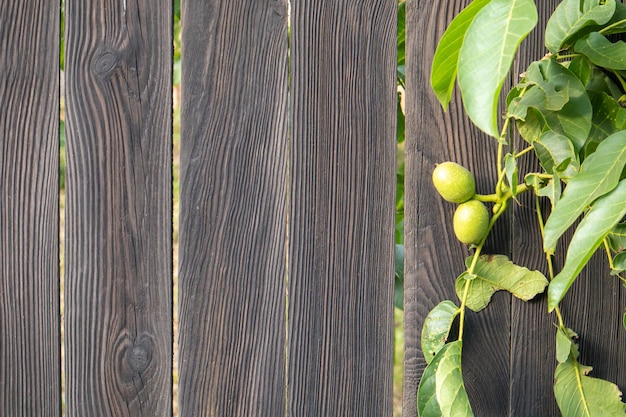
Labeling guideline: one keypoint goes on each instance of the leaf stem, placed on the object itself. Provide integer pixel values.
(472, 266)
(524, 152)
(611, 26)
(557, 310)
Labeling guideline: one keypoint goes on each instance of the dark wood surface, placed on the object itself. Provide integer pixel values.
(29, 210)
(509, 357)
(341, 222)
(233, 208)
(118, 291)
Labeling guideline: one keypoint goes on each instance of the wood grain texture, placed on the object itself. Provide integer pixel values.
(233, 208)
(342, 208)
(30, 361)
(434, 258)
(118, 292)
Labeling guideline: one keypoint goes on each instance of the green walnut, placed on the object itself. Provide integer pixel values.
(471, 222)
(453, 182)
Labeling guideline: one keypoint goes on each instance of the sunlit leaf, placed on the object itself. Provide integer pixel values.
(490, 44)
(446, 59)
(496, 272)
(602, 52)
(604, 214)
(437, 327)
(441, 392)
(579, 395)
(571, 16)
(598, 175)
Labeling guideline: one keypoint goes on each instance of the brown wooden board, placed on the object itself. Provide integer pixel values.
(341, 222)
(509, 357)
(233, 212)
(118, 291)
(29, 210)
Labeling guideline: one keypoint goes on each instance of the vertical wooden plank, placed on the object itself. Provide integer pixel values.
(118, 295)
(342, 206)
(434, 258)
(233, 218)
(29, 209)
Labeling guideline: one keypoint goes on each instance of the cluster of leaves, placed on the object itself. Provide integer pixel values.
(569, 109)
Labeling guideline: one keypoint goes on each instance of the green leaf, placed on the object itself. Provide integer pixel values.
(552, 190)
(496, 272)
(619, 262)
(398, 296)
(572, 15)
(581, 68)
(598, 175)
(511, 171)
(579, 395)
(446, 59)
(604, 214)
(565, 345)
(608, 117)
(441, 392)
(561, 99)
(617, 237)
(556, 154)
(602, 52)
(437, 327)
(490, 44)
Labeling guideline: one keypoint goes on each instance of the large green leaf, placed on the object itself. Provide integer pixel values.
(605, 213)
(598, 175)
(579, 395)
(496, 272)
(559, 97)
(446, 59)
(490, 44)
(572, 15)
(437, 327)
(603, 52)
(441, 392)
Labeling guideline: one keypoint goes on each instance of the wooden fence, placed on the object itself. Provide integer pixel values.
(287, 186)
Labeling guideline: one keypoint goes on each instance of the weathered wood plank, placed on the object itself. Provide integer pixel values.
(434, 258)
(29, 233)
(233, 212)
(341, 221)
(118, 291)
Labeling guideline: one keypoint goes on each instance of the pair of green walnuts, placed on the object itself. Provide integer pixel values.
(457, 185)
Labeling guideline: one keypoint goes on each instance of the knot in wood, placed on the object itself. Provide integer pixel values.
(138, 358)
(104, 64)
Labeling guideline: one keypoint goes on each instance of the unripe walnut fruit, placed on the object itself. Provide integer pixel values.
(471, 222)
(453, 182)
